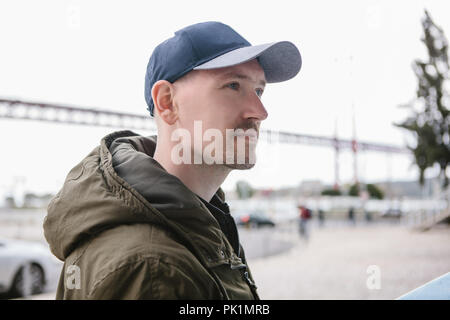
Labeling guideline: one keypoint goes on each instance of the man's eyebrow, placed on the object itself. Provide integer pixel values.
(234, 75)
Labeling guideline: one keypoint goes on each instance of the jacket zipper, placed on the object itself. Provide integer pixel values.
(246, 278)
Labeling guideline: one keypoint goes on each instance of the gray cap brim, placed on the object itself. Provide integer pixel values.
(280, 61)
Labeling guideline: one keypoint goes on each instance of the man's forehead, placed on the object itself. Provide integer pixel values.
(249, 71)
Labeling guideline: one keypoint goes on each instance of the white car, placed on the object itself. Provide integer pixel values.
(26, 267)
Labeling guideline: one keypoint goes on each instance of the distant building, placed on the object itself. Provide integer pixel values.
(309, 188)
(410, 189)
(32, 200)
(314, 188)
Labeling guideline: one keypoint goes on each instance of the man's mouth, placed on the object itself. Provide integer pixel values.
(251, 134)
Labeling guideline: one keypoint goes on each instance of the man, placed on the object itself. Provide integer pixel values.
(145, 217)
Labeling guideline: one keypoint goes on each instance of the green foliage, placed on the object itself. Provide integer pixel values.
(354, 190)
(331, 192)
(430, 125)
(374, 191)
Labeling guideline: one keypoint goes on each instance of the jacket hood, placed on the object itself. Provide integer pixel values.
(119, 182)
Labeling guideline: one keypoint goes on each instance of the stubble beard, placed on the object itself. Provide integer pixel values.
(250, 148)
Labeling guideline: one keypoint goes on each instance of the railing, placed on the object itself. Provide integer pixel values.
(425, 219)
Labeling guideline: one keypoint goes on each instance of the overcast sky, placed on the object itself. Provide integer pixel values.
(357, 56)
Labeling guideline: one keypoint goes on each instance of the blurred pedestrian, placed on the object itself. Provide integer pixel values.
(368, 215)
(351, 215)
(321, 216)
(304, 215)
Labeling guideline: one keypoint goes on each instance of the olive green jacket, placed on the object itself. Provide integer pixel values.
(127, 229)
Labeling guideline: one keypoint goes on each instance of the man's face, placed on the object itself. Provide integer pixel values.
(225, 98)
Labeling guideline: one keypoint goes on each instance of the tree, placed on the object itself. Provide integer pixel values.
(331, 192)
(244, 190)
(374, 191)
(354, 190)
(430, 125)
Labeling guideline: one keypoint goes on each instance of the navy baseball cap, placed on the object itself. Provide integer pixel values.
(213, 45)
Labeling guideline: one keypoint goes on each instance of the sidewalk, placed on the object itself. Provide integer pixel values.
(333, 264)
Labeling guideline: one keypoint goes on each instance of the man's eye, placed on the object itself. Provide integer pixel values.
(233, 85)
(259, 92)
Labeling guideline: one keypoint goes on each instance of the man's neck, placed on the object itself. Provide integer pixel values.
(202, 179)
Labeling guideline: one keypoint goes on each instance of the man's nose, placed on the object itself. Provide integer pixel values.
(255, 109)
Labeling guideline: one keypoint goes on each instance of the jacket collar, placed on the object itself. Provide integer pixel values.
(126, 160)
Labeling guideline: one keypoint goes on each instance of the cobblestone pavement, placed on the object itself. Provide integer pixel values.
(333, 263)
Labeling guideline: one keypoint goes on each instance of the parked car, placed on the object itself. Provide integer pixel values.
(254, 219)
(25, 267)
(392, 213)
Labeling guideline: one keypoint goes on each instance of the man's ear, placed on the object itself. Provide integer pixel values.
(162, 95)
